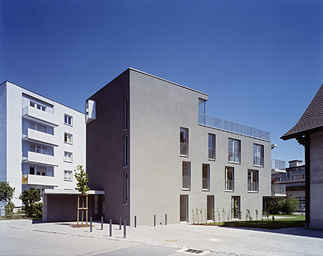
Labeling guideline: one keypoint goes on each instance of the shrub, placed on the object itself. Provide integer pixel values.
(283, 205)
(30, 199)
(9, 209)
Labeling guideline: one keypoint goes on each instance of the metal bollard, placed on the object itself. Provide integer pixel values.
(110, 233)
(154, 220)
(120, 223)
(90, 224)
(165, 219)
(124, 229)
(101, 222)
(135, 221)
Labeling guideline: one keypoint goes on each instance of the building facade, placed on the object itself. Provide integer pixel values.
(41, 141)
(292, 179)
(308, 131)
(160, 158)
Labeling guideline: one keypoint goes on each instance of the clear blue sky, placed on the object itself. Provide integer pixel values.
(260, 62)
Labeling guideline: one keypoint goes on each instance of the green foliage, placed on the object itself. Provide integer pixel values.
(30, 199)
(6, 192)
(283, 205)
(9, 209)
(82, 179)
(38, 210)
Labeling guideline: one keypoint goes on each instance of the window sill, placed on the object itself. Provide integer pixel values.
(228, 190)
(253, 192)
(211, 159)
(68, 143)
(70, 125)
(67, 161)
(186, 156)
(68, 180)
(205, 190)
(259, 166)
(186, 189)
(234, 162)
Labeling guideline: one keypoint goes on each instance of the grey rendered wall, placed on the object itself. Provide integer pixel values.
(157, 111)
(3, 132)
(104, 147)
(316, 180)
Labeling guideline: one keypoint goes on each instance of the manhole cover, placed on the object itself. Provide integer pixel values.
(192, 251)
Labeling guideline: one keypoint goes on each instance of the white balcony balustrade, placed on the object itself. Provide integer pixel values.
(38, 180)
(36, 114)
(38, 136)
(38, 158)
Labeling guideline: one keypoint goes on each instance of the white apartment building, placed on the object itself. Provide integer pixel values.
(160, 159)
(42, 141)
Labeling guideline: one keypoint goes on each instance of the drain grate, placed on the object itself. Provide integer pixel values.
(194, 251)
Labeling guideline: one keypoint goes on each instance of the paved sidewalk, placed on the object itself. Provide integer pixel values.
(219, 240)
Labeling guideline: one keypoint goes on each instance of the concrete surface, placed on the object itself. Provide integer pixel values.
(159, 240)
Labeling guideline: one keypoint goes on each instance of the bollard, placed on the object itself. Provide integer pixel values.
(110, 234)
(124, 229)
(120, 223)
(101, 222)
(154, 220)
(135, 221)
(165, 219)
(90, 224)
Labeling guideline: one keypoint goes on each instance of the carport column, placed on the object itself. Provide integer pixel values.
(45, 198)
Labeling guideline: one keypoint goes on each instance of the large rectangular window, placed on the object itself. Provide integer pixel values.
(125, 113)
(211, 138)
(125, 151)
(184, 141)
(125, 188)
(229, 178)
(205, 176)
(186, 175)
(68, 157)
(68, 175)
(38, 149)
(258, 155)
(253, 182)
(234, 151)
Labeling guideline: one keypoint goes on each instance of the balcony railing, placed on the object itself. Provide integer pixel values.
(33, 157)
(258, 160)
(229, 185)
(47, 117)
(184, 149)
(278, 190)
(225, 125)
(278, 164)
(205, 183)
(253, 186)
(38, 180)
(212, 153)
(186, 183)
(35, 135)
(234, 157)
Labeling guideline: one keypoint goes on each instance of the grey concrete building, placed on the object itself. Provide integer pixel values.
(308, 131)
(160, 158)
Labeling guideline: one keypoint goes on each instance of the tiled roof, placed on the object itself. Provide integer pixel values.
(311, 120)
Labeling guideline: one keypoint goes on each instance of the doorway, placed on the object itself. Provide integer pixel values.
(184, 208)
(235, 207)
(210, 207)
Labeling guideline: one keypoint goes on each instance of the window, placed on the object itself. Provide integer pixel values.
(32, 170)
(37, 170)
(68, 157)
(37, 105)
(229, 178)
(253, 182)
(125, 151)
(258, 155)
(38, 149)
(186, 175)
(211, 146)
(125, 187)
(184, 141)
(68, 175)
(37, 127)
(125, 113)
(68, 138)
(205, 176)
(234, 151)
(68, 120)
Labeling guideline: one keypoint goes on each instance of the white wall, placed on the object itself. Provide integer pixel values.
(3, 132)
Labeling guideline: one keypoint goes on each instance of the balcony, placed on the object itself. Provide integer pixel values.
(37, 180)
(37, 158)
(278, 190)
(37, 136)
(40, 115)
(229, 126)
(253, 186)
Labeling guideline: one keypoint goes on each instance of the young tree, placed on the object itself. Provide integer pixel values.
(6, 194)
(82, 179)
